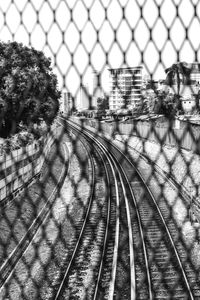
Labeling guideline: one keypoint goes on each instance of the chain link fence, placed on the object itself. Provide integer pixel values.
(45, 186)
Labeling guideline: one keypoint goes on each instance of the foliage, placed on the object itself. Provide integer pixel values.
(102, 104)
(150, 85)
(160, 102)
(197, 97)
(28, 88)
(151, 101)
(170, 104)
(17, 141)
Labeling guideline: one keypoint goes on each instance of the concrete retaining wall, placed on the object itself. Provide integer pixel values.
(20, 167)
(187, 136)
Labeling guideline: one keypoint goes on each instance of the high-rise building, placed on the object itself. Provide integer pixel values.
(126, 86)
(67, 103)
(97, 89)
(195, 73)
(83, 97)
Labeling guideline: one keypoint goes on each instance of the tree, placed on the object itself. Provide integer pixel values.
(28, 88)
(151, 85)
(169, 104)
(178, 73)
(151, 101)
(102, 103)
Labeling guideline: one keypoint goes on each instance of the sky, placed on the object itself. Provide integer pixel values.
(83, 35)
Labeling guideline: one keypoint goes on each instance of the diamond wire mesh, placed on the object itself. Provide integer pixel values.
(82, 37)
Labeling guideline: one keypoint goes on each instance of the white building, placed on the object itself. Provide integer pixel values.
(83, 97)
(126, 86)
(97, 89)
(67, 102)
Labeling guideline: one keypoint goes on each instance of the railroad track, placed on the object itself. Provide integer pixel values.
(166, 211)
(91, 257)
(149, 262)
(7, 268)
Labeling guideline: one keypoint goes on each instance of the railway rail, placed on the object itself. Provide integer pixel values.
(191, 203)
(7, 268)
(127, 245)
(97, 237)
(150, 259)
(166, 211)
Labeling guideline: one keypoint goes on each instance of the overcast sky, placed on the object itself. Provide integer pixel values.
(82, 35)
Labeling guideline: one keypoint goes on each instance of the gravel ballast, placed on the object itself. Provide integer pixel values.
(185, 167)
(37, 273)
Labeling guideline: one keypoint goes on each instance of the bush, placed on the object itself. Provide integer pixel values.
(17, 141)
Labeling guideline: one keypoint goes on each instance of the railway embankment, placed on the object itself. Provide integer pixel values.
(173, 133)
(184, 166)
(18, 215)
(174, 148)
(52, 241)
(21, 163)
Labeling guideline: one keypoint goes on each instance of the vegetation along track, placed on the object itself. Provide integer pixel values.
(159, 265)
(9, 264)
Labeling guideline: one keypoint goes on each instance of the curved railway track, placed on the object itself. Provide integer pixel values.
(97, 239)
(166, 211)
(148, 260)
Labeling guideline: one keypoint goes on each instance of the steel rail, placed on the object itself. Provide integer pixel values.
(106, 233)
(158, 209)
(114, 264)
(105, 239)
(61, 285)
(142, 237)
(163, 220)
(112, 284)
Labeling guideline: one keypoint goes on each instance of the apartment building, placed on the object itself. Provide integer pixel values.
(68, 104)
(83, 97)
(126, 86)
(97, 88)
(195, 71)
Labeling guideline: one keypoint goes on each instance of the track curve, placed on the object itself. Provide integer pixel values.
(157, 263)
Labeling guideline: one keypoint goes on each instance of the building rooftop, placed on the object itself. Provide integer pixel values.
(126, 68)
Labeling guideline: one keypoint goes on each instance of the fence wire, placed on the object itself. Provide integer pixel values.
(45, 186)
